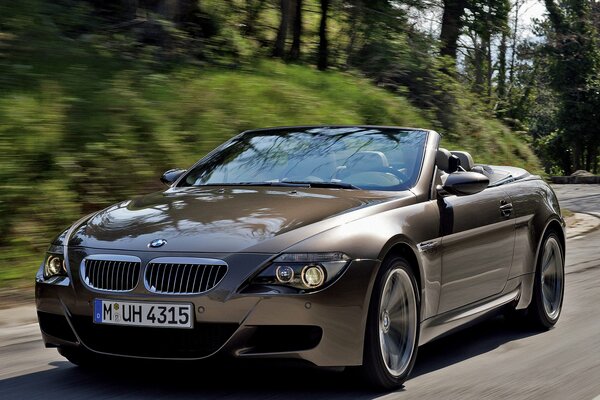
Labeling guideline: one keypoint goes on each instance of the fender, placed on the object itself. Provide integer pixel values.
(527, 281)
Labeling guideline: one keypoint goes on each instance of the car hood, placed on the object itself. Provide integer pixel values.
(222, 220)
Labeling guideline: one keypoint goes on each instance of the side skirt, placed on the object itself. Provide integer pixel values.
(447, 322)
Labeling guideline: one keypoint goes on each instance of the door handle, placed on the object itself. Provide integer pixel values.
(428, 246)
(506, 208)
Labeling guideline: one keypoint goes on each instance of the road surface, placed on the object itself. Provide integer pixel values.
(580, 198)
(493, 360)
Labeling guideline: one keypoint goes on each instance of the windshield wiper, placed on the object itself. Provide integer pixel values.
(335, 185)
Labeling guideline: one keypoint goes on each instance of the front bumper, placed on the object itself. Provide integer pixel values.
(325, 328)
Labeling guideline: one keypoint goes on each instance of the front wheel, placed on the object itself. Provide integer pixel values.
(549, 287)
(392, 331)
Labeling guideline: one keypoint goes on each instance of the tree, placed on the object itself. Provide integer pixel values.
(252, 11)
(501, 88)
(323, 52)
(513, 47)
(282, 31)
(454, 11)
(296, 31)
(575, 67)
(484, 17)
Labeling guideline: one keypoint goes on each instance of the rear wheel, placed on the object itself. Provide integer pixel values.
(392, 332)
(548, 287)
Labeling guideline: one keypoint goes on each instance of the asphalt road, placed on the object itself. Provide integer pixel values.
(580, 198)
(493, 360)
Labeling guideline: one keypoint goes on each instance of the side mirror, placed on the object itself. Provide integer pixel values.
(169, 177)
(465, 183)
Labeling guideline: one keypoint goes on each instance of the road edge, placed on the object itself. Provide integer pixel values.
(591, 223)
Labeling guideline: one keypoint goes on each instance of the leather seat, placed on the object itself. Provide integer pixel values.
(367, 161)
(316, 168)
(446, 161)
(466, 161)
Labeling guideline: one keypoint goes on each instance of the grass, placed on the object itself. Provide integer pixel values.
(566, 213)
(81, 128)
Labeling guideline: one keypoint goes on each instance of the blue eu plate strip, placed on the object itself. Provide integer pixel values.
(97, 310)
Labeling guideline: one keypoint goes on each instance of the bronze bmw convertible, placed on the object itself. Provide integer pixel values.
(334, 245)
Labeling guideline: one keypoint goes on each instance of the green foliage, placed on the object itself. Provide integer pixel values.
(574, 64)
(90, 119)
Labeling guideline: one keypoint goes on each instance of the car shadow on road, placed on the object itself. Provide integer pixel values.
(471, 342)
(253, 381)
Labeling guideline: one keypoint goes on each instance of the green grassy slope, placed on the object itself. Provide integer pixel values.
(80, 130)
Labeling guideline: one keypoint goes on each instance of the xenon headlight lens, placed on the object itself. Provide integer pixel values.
(54, 265)
(284, 274)
(303, 271)
(313, 276)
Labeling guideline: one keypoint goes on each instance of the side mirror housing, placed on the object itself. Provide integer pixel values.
(169, 177)
(465, 183)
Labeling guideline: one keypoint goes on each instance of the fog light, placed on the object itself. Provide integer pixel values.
(284, 274)
(313, 276)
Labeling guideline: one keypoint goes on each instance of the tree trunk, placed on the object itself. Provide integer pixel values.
(178, 11)
(527, 92)
(451, 27)
(588, 158)
(566, 163)
(478, 65)
(279, 49)
(489, 66)
(577, 156)
(323, 52)
(253, 9)
(513, 46)
(353, 20)
(501, 88)
(297, 31)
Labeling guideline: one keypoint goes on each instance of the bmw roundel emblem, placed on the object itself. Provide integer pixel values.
(157, 243)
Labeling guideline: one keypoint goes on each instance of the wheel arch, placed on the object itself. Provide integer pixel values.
(557, 227)
(553, 223)
(396, 246)
(402, 246)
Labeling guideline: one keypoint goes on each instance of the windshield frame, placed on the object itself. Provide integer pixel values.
(182, 181)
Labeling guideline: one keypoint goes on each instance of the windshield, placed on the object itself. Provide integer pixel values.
(350, 157)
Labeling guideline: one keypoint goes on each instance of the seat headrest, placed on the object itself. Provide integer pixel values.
(446, 161)
(466, 161)
(441, 159)
(367, 161)
(319, 166)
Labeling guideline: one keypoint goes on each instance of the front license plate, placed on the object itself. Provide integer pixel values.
(161, 315)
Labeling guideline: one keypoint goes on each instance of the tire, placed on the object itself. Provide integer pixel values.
(549, 284)
(392, 331)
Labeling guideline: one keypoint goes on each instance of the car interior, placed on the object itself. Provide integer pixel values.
(452, 161)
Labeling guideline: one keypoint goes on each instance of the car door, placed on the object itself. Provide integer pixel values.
(478, 237)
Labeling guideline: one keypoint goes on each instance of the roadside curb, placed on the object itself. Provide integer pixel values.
(591, 222)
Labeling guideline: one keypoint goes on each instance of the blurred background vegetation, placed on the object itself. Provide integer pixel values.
(99, 97)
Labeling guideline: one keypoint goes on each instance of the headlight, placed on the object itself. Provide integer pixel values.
(54, 265)
(302, 271)
(313, 276)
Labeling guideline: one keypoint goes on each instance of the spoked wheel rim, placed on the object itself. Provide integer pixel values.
(552, 277)
(397, 322)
